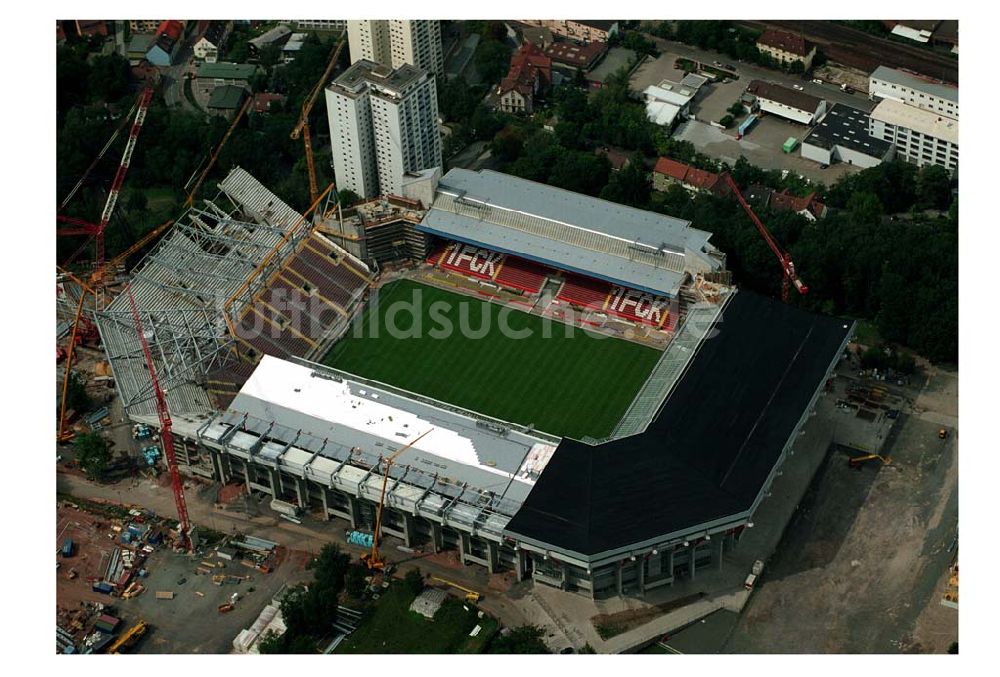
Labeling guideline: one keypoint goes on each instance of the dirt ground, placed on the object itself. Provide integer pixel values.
(863, 565)
(91, 551)
(191, 623)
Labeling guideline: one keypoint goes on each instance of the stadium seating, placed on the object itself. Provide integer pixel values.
(584, 292)
(475, 262)
(526, 276)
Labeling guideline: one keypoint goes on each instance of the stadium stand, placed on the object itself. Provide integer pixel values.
(475, 262)
(526, 276)
(628, 304)
(584, 292)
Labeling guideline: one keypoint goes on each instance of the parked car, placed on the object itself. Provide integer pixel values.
(817, 81)
(798, 87)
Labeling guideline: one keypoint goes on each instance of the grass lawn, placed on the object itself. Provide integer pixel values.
(564, 380)
(393, 629)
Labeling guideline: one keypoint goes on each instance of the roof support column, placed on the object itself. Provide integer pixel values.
(618, 578)
(492, 557)
(720, 542)
(437, 538)
(640, 575)
(521, 564)
(691, 565)
(323, 499)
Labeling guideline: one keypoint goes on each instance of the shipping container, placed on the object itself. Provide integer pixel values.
(67, 548)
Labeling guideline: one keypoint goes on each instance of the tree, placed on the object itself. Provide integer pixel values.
(92, 454)
(347, 197)
(109, 77)
(492, 60)
(933, 188)
(726, 120)
(526, 639)
(865, 208)
(414, 581)
(736, 109)
(76, 394)
(631, 185)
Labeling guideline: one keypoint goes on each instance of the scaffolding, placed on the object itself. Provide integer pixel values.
(181, 288)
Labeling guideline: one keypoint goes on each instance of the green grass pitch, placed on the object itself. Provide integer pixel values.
(569, 385)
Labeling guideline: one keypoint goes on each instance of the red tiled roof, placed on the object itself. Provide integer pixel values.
(692, 176)
(262, 101)
(785, 41)
(170, 28)
(528, 63)
(784, 201)
(672, 168)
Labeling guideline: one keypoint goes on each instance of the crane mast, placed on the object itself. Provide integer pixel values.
(302, 128)
(789, 276)
(373, 560)
(184, 525)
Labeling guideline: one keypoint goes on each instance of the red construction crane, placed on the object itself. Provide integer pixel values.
(97, 230)
(184, 525)
(784, 258)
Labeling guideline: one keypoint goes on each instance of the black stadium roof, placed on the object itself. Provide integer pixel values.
(709, 451)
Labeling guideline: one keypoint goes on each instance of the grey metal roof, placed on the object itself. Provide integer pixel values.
(847, 127)
(638, 248)
(581, 211)
(551, 252)
(898, 77)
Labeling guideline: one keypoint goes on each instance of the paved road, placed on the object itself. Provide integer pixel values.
(173, 80)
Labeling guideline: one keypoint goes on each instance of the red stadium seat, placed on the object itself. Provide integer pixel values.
(526, 276)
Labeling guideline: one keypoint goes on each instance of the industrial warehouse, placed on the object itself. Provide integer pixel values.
(243, 297)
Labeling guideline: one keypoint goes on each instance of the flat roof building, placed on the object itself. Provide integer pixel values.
(843, 136)
(920, 136)
(914, 89)
(787, 103)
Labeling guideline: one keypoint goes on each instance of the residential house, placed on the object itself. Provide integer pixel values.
(211, 42)
(138, 46)
(291, 48)
(264, 102)
(530, 74)
(225, 101)
(787, 47)
(536, 35)
(667, 172)
(787, 103)
(167, 45)
(209, 76)
(807, 206)
(91, 27)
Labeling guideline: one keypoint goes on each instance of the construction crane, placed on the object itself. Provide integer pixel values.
(373, 560)
(470, 595)
(215, 153)
(858, 461)
(82, 227)
(184, 524)
(789, 276)
(128, 638)
(302, 128)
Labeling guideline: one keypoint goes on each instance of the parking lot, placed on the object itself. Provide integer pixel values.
(762, 145)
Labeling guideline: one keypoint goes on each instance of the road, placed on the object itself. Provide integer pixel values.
(173, 80)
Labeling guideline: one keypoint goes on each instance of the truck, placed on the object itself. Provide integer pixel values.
(67, 548)
(755, 571)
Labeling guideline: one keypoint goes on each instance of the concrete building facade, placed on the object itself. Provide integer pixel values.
(913, 89)
(842, 136)
(581, 30)
(383, 124)
(395, 42)
(787, 103)
(919, 136)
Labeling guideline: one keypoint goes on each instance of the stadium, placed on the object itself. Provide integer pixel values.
(588, 400)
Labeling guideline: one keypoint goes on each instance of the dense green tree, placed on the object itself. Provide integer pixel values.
(92, 454)
(933, 188)
(76, 394)
(347, 197)
(631, 185)
(508, 143)
(526, 639)
(492, 60)
(580, 172)
(108, 79)
(414, 581)
(864, 208)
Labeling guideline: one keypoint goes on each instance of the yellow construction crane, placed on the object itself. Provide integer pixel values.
(470, 595)
(302, 128)
(857, 461)
(373, 560)
(215, 153)
(130, 637)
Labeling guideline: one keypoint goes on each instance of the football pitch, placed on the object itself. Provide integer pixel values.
(497, 361)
